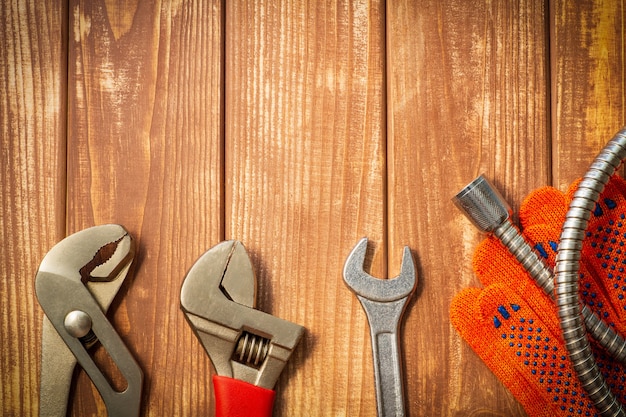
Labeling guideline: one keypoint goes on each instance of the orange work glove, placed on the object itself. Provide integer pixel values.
(513, 325)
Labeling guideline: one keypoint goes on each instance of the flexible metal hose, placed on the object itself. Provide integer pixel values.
(481, 202)
(567, 272)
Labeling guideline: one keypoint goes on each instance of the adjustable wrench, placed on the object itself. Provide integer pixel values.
(248, 348)
(384, 302)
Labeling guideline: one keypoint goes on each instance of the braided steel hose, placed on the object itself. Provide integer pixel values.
(483, 205)
(567, 272)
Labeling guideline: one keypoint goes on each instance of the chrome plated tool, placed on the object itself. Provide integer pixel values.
(384, 302)
(247, 347)
(567, 270)
(75, 285)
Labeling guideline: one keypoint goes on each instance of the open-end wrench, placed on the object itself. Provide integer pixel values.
(384, 302)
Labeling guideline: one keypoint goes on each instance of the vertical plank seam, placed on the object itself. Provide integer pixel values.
(385, 132)
(64, 135)
(550, 75)
(222, 139)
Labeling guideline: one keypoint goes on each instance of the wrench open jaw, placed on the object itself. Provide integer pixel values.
(375, 289)
(75, 285)
(218, 297)
(384, 302)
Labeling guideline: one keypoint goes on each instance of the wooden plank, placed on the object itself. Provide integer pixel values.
(588, 82)
(305, 170)
(145, 151)
(32, 184)
(467, 95)
(305, 175)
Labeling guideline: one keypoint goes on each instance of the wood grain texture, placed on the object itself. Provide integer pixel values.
(467, 95)
(588, 82)
(145, 151)
(296, 127)
(32, 184)
(305, 169)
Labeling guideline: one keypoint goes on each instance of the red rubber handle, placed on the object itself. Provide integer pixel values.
(236, 398)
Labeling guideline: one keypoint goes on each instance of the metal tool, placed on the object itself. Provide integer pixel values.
(489, 212)
(218, 297)
(384, 302)
(568, 271)
(75, 285)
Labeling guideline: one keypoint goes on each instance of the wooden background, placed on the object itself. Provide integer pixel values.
(297, 127)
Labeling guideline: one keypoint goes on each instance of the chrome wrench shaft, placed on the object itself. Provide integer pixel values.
(384, 302)
(384, 321)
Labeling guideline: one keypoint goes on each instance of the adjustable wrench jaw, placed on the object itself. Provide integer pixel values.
(75, 285)
(218, 299)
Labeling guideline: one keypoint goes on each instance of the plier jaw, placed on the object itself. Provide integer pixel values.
(75, 285)
(218, 299)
